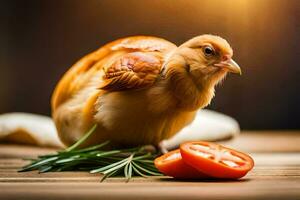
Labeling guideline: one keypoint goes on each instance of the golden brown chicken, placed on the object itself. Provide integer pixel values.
(139, 90)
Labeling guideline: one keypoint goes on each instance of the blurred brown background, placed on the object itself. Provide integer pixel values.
(40, 40)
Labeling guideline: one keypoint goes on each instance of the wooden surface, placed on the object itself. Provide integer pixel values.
(276, 175)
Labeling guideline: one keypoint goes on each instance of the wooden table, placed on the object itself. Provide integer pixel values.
(276, 175)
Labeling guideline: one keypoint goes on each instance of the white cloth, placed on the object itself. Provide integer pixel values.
(208, 125)
(41, 128)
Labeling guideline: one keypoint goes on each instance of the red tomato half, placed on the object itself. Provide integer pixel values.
(171, 164)
(215, 160)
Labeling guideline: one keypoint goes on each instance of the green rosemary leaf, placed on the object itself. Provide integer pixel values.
(66, 160)
(131, 162)
(142, 157)
(146, 161)
(126, 170)
(120, 166)
(37, 164)
(82, 140)
(138, 172)
(67, 167)
(116, 164)
(129, 173)
(92, 148)
(145, 170)
(109, 175)
(45, 169)
(108, 153)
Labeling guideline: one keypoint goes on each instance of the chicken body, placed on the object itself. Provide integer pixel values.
(124, 118)
(139, 90)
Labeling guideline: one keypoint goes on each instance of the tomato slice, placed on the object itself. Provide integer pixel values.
(171, 164)
(216, 160)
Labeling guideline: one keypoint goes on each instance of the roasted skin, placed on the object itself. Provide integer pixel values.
(139, 90)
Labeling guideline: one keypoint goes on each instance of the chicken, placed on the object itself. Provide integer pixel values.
(139, 90)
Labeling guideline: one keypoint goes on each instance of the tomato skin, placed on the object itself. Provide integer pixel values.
(212, 168)
(177, 168)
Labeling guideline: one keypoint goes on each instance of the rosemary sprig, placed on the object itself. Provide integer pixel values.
(122, 162)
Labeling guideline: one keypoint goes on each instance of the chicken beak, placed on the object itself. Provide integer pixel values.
(230, 65)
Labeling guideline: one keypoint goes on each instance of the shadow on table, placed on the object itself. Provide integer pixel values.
(206, 180)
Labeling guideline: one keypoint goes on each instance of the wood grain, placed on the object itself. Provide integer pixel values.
(276, 175)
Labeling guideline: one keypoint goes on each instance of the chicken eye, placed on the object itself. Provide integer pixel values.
(208, 51)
